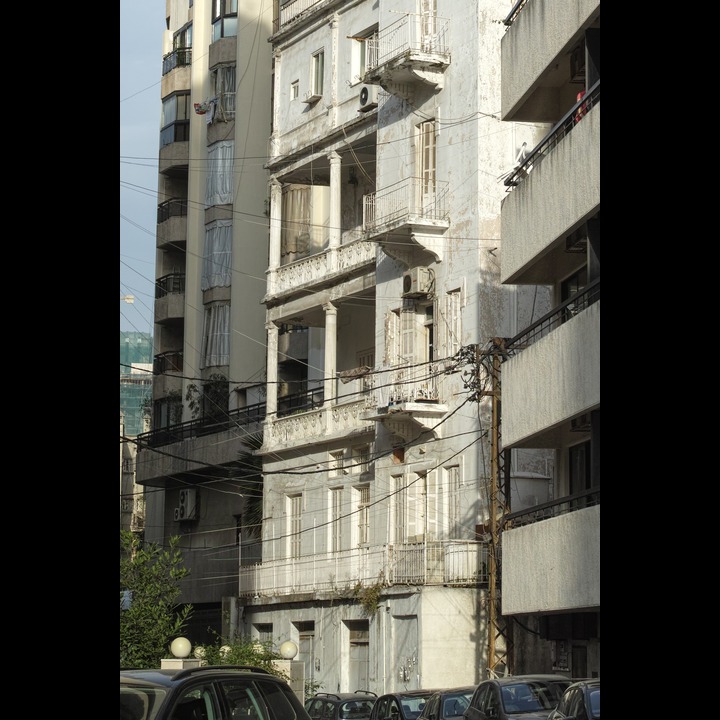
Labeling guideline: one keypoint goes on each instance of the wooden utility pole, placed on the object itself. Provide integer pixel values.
(499, 648)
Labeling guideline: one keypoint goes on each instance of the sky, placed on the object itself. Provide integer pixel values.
(142, 23)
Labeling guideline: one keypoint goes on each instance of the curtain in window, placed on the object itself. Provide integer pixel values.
(225, 90)
(216, 335)
(217, 263)
(295, 236)
(219, 189)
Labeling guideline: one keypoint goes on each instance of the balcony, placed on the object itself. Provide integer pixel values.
(176, 67)
(460, 563)
(303, 419)
(323, 269)
(175, 149)
(408, 219)
(170, 298)
(167, 372)
(410, 54)
(289, 11)
(172, 224)
(409, 401)
(533, 540)
(553, 374)
(564, 164)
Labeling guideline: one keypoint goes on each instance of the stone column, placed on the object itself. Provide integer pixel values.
(272, 372)
(275, 234)
(329, 387)
(335, 212)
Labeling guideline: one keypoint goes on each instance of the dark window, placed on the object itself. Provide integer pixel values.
(579, 456)
(224, 19)
(175, 121)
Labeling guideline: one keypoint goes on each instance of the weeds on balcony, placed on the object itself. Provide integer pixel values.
(369, 597)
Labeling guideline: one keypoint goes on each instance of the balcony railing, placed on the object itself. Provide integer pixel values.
(556, 317)
(177, 58)
(556, 134)
(169, 284)
(242, 417)
(174, 207)
(420, 33)
(290, 10)
(452, 562)
(553, 508)
(410, 199)
(300, 402)
(169, 362)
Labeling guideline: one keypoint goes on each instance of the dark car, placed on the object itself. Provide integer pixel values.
(446, 704)
(580, 701)
(525, 697)
(341, 706)
(401, 705)
(223, 692)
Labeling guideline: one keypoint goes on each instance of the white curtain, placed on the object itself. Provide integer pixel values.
(219, 189)
(216, 335)
(217, 261)
(295, 236)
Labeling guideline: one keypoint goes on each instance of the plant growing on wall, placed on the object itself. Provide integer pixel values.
(369, 597)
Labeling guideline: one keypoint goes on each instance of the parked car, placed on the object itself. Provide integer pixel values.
(401, 705)
(446, 704)
(341, 706)
(580, 701)
(526, 697)
(223, 692)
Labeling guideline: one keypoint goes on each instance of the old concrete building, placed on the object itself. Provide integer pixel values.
(334, 305)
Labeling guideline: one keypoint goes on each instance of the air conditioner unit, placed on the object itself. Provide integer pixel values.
(417, 282)
(176, 514)
(188, 505)
(368, 98)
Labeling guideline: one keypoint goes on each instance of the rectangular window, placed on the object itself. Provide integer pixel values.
(449, 328)
(295, 525)
(224, 19)
(264, 632)
(217, 261)
(426, 163)
(224, 85)
(335, 467)
(359, 54)
(360, 459)
(216, 335)
(318, 73)
(175, 119)
(363, 522)
(294, 89)
(451, 484)
(219, 187)
(399, 509)
(336, 519)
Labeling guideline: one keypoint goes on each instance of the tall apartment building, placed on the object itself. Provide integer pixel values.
(360, 390)
(387, 155)
(212, 234)
(551, 379)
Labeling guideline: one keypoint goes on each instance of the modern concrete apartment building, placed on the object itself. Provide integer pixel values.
(331, 326)
(551, 382)
(209, 333)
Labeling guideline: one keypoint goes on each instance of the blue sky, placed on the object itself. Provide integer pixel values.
(141, 30)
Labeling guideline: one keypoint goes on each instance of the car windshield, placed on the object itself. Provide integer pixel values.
(529, 696)
(139, 703)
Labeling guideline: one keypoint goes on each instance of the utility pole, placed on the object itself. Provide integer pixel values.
(499, 632)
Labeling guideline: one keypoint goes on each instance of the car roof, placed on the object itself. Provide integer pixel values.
(411, 693)
(169, 678)
(356, 695)
(545, 677)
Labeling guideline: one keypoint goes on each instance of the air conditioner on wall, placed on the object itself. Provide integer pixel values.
(417, 282)
(368, 98)
(187, 509)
